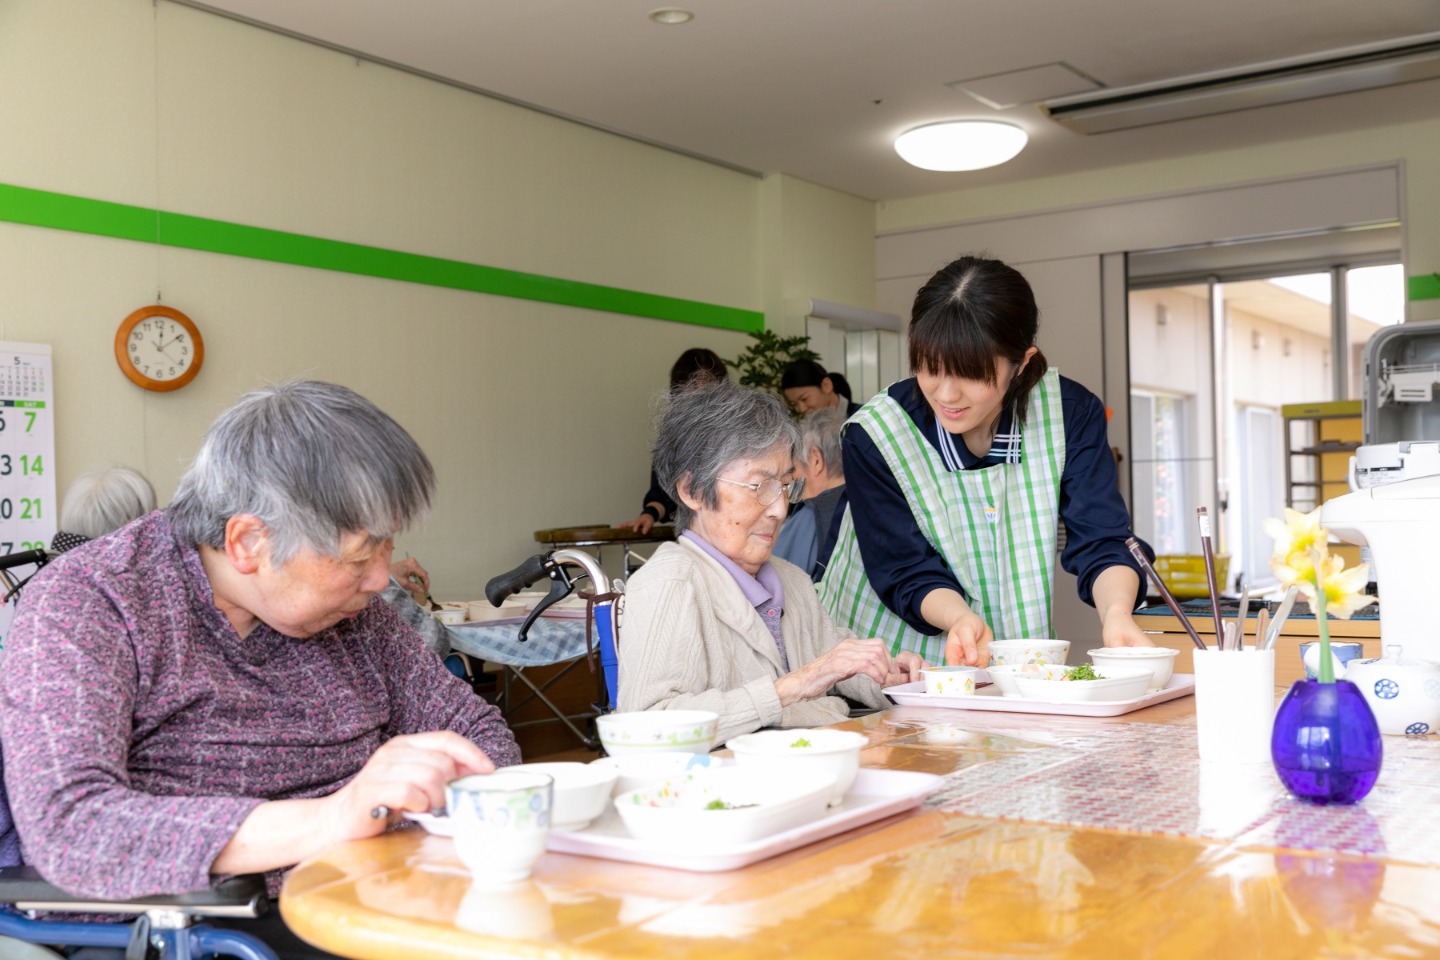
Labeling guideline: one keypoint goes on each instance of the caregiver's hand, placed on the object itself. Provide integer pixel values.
(967, 642)
(1116, 592)
(849, 658)
(967, 636)
(1121, 630)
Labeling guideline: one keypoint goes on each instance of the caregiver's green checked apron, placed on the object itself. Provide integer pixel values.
(996, 527)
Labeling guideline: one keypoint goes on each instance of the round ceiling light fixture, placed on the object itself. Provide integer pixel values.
(671, 16)
(961, 144)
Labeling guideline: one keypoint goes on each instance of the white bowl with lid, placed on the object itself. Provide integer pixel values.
(1403, 692)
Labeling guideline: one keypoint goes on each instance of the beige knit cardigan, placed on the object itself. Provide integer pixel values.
(690, 640)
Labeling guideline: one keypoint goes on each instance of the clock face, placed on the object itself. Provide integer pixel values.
(159, 348)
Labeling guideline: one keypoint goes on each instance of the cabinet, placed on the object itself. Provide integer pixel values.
(1319, 439)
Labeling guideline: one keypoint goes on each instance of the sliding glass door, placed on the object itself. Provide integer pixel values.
(1212, 362)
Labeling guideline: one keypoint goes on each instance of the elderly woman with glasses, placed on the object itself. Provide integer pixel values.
(711, 621)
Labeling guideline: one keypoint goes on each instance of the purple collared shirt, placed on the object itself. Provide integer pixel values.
(763, 591)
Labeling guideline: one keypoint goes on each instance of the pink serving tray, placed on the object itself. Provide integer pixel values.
(877, 794)
(914, 695)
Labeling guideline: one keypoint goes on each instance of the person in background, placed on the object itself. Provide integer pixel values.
(808, 535)
(101, 501)
(216, 688)
(712, 622)
(408, 594)
(807, 386)
(958, 478)
(694, 367)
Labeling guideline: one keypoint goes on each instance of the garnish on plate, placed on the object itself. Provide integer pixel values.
(1082, 672)
(802, 742)
(718, 804)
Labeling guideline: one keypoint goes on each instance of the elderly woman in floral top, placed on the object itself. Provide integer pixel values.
(216, 688)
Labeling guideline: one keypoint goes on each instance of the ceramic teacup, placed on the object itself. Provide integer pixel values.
(500, 822)
(950, 681)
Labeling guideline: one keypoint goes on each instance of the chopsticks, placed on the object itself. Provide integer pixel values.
(1281, 615)
(1138, 553)
(1239, 642)
(1203, 516)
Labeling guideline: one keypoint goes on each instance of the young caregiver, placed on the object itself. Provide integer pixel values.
(958, 480)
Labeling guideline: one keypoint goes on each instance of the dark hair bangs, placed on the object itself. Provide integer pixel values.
(940, 346)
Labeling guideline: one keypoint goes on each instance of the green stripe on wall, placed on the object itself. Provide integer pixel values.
(1424, 287)
(60, 211)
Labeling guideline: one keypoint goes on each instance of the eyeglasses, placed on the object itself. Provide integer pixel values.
(769, 489)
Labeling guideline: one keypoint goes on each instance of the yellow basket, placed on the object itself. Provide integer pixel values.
(1184, 573)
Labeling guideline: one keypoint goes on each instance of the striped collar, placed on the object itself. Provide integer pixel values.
(1006, 447)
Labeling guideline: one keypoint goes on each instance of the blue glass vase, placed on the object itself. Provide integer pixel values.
(1326, 744)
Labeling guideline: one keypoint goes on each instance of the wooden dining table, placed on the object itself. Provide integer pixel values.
(1050, 836)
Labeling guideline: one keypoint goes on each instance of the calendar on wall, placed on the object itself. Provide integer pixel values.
(28, 505)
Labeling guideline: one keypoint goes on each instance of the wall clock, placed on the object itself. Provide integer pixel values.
(159, 348)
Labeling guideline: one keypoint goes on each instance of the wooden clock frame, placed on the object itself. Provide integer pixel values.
(122, 349)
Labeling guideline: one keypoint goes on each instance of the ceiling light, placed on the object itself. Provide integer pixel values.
(671, 15)
(960, 144)
(1351, 69)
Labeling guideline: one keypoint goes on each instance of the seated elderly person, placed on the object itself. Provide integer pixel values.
(216, 688)
(808, 535)
(711, 621)
(101, 501)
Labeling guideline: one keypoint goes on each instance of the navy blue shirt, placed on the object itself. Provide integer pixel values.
(902, 565)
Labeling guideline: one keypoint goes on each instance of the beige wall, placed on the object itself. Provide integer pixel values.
(535, 415)
(1416, 146)
(817, 244)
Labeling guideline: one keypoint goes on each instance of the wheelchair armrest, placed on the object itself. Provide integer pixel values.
(242, 896)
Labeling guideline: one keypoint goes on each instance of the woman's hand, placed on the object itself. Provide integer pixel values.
(905, 668)
(967, 642)
(640, 524)
(967, 637)
(849, 658)
(1116, 590)
(1121, 630)
(414, 578)
(407, 773)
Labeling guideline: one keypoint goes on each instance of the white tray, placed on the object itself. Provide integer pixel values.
(914, 695)
(876, 795)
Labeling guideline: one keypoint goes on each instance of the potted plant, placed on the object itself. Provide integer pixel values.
(764, 361)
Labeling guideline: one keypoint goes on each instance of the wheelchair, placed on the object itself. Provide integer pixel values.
(166, 927)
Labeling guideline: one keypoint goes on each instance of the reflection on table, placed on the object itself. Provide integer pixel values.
(1052, 837)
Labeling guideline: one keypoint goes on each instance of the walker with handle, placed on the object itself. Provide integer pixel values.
(602, 604)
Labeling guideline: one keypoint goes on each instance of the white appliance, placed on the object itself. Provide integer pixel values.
(1396, 513)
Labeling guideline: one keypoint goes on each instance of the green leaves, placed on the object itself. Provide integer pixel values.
(764, 361)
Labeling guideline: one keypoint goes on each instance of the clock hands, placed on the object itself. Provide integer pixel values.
(160, 347)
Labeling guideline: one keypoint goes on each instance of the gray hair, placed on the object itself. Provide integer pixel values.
(104, 500)
(820, 430)
(707, 428)
(313, 461)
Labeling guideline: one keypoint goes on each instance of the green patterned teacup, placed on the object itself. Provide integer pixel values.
(500, 822)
